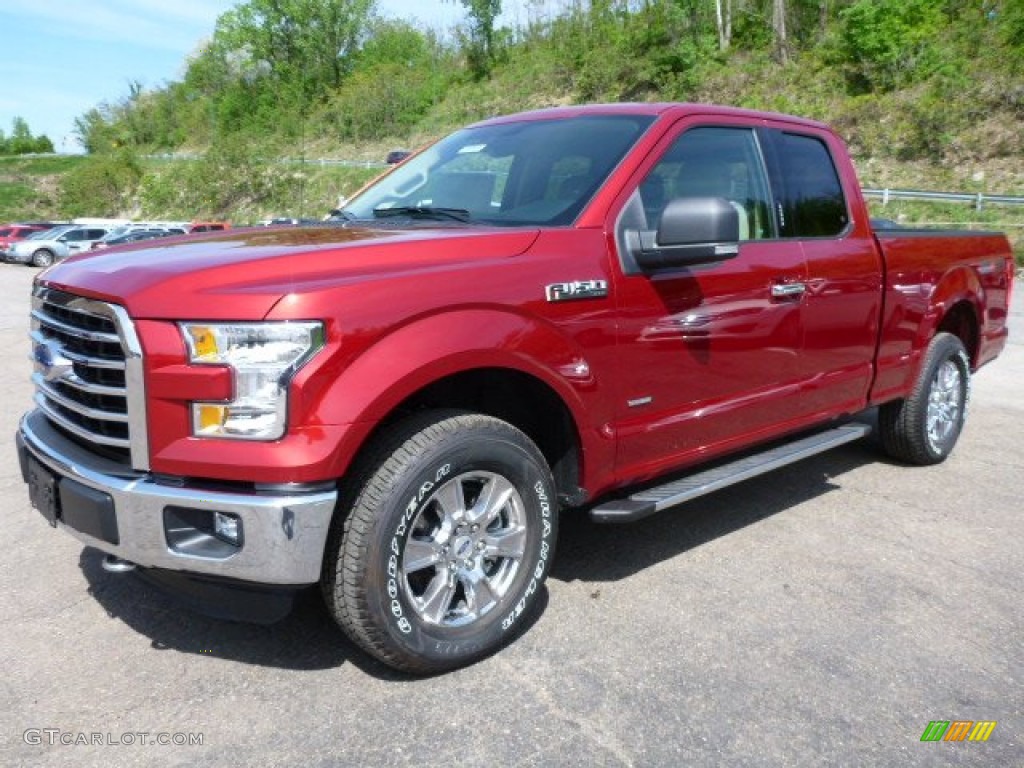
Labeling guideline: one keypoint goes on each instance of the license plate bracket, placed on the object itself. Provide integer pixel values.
(42, 491)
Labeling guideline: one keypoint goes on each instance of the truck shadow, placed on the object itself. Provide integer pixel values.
(589, 551)
(308, 638)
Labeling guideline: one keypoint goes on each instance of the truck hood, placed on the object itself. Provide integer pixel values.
(241, 274)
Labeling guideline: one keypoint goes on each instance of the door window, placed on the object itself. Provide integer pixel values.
(812, 203)
(713, 162)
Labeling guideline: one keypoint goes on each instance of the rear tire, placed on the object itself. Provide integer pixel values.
(924, 428)
(448, 542)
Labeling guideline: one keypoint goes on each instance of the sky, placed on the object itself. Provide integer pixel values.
(60, 58)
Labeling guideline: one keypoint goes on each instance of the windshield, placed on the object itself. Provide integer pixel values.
(524, 173)
(48, 234)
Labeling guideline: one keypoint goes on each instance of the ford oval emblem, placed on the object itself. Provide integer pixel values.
(50, 361)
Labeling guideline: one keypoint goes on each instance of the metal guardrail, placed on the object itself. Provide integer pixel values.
(979, 199)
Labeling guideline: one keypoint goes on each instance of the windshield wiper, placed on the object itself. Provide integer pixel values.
(423, 212)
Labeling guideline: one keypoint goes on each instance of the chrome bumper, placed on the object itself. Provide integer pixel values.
(284, 532)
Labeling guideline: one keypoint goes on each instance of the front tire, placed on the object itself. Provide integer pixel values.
(42, 258)
(924, 428)
(450, 536)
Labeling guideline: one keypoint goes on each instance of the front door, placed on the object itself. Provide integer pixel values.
(708, 354)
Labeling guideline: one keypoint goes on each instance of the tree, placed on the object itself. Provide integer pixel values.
(22, 142)
(303, 43)
(482, 15)
(103, 185)
(889, 44)
(723, 15)
(779, 30)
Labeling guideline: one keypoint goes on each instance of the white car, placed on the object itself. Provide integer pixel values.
(44, 248)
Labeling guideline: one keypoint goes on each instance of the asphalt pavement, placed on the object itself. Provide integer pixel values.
(822, 615)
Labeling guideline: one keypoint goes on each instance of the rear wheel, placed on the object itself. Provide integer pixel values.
(924, 428)
(450, 536)
(42, 258)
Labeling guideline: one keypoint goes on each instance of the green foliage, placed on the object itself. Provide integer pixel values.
(888, 44)
(904, 80)
(230, 184)
(22, 142)
(103, 185)
(481, 47)
(399, 74)
(228, 177)
(616, 51)
(28, 185)
(303, 46)
(1008, 15)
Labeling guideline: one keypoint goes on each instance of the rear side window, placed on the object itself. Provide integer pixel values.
(812, 202)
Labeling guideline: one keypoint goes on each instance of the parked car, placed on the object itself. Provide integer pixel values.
(284, 221)
(134, 236)
(42, 249)
(207, 226)
(12, 233)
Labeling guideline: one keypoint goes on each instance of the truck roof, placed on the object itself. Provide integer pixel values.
(656, 109)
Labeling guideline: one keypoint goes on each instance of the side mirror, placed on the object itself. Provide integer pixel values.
(692, 230)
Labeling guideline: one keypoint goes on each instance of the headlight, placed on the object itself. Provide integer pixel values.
(263, 358)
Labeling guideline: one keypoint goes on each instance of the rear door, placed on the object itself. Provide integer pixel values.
(75, 240)
(709, 354)
(841, 297)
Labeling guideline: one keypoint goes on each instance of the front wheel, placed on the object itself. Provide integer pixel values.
(42, 258)
(450, 536)
(924, 428)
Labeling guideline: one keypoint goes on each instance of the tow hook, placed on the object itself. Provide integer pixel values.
(114, 564)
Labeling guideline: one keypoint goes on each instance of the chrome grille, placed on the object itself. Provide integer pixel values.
(88, 374)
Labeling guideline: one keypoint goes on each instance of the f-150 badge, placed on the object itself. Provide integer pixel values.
(578, 289)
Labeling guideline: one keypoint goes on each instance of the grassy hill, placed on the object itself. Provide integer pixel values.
(30, 186)
(928, 93)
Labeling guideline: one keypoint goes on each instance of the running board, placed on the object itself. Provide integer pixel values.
(652, 500)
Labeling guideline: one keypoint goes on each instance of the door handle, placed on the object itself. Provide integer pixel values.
(788, 290)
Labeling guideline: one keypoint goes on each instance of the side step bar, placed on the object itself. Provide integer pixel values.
(652, 500)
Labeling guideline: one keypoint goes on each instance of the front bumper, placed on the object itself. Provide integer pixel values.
(284, 531)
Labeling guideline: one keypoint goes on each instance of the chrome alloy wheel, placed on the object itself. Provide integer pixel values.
(944, 404)
(465, 549)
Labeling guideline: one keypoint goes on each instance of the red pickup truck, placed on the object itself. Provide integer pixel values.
(608, 308)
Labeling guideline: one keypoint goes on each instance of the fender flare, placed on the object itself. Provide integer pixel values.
(960, 285)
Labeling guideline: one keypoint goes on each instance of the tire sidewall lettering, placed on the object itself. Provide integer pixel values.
(544, 550)
(412, 507)
(965, 371)
(405, 625)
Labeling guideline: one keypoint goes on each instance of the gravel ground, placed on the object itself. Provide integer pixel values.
(821, 615)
